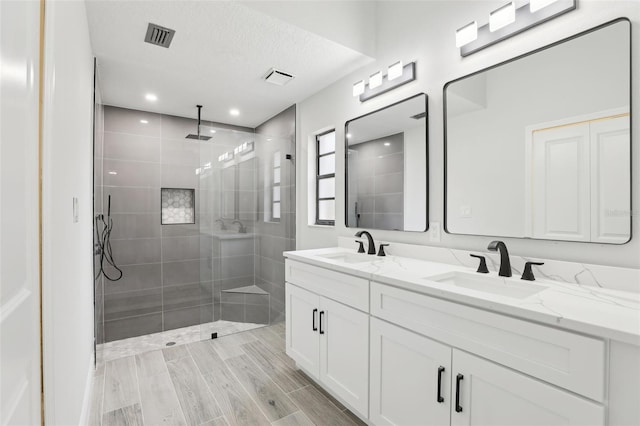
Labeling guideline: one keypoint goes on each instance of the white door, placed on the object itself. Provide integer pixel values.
(19, 206)
(560, 183)
(302, 321)
(489, 394)
(410, 378)
(610, 181)
(344, 353)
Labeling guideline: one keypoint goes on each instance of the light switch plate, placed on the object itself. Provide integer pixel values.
(434, 232)
(76, 218)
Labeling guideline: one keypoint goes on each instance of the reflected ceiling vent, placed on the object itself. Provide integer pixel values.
(160, 36)
(419, 116)
(277, 77)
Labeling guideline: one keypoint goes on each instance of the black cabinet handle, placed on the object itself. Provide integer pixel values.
(315, 311)
(459, 378)
(321, 316)
(440, 371)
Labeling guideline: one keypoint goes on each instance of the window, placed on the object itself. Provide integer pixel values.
(275, 188)
(326, 178)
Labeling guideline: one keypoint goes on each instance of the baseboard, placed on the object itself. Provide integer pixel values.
(88, 394)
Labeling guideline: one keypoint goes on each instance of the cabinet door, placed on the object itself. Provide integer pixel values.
(344, 353)
(410, 377)
(490, 394)
(301, 319)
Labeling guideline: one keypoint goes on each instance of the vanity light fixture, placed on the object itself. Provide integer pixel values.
(358, 88)
(508, 21)
(243, 148)
(502, 17)
(227, 156)
(394, 71)
(536, 5)
(467, 34)
(375, 80)
(397, 75)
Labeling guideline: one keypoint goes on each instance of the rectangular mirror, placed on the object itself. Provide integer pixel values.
(386, 167)
(539, 146)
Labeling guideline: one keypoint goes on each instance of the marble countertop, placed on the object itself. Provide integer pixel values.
(601, 312)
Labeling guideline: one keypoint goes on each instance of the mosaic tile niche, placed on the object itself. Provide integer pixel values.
(178, 206)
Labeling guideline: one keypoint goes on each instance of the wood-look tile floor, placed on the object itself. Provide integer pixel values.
(241, 379)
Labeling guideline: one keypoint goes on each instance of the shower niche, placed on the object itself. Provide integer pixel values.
(177, 206)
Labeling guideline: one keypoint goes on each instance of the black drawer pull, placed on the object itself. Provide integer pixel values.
(313, 326)
(321, 316)
(459, 378)
(440, 371)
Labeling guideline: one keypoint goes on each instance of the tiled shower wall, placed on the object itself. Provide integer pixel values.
(167, 276)
(276, 135)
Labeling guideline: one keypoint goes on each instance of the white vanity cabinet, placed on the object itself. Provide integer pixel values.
(417, 381)
(329, 339)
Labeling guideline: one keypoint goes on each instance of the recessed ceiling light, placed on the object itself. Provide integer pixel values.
(234, 112)
(144, 121)
(387, 144)
(212, 131)
(151, 97)
(348, 135)
(113, 173)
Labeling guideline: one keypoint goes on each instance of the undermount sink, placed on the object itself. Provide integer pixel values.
(510, 287)
(347, 257)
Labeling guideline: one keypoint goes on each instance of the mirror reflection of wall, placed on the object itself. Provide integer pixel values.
(539, 147)
(387, 167)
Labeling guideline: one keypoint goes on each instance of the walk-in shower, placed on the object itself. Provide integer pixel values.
(199, 227)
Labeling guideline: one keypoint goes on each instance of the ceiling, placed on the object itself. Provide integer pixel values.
(220, 52)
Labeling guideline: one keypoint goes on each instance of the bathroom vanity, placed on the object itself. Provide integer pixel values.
(407, 341)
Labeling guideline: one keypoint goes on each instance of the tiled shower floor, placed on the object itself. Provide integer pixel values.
(136, 345)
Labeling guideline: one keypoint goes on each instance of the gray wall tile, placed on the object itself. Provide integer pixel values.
(127, 146)
(133, 200)
(180, 248)
(136, 251)
(132, 326)
(135, 225)
(134, 277)
(131, 173)
(132, 303)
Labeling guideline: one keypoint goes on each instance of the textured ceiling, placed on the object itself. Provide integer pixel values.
(219, 54)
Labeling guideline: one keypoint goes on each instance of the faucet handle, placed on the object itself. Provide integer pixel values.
(527, 275)
(381, 251)
(361, 247)
(482, 267)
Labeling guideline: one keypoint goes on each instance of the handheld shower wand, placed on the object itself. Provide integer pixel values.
(104, 244)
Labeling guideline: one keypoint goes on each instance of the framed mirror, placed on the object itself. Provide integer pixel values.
(386, 167)
(540, 146)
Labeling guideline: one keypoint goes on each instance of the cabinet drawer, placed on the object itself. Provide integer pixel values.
(343, 288)
(565, 359)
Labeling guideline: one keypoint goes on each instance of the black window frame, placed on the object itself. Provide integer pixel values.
(274, 185)
(320, 177)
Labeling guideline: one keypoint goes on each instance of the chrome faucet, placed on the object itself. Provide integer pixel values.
(223, 227)
(372, 245)
(505, 264)
(241, 229)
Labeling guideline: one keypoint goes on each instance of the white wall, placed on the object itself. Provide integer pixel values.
(67, 246)
(425, 31)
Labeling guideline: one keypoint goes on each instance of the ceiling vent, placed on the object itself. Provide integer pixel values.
(419, 116)
(160, 36)
(277, 77)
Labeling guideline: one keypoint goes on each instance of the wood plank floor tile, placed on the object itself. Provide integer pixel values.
(326, 394)
(296, 419)
(220, 421)
(160, 405)
(121, 384)
(150, 364)
(318, 408)
(289, 379)
(229, 346)
(197, 402)
(125, 416)
(272, 401)
(95, 413)
(174, 352)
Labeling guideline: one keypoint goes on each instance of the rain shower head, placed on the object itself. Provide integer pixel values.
(198, 136)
